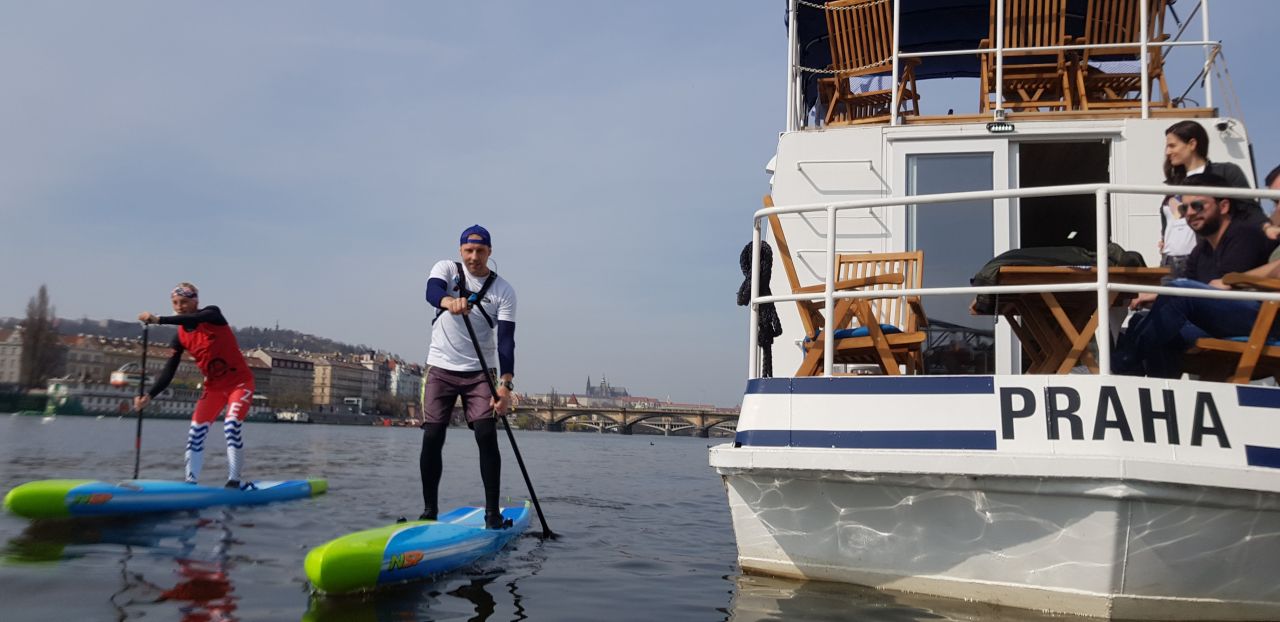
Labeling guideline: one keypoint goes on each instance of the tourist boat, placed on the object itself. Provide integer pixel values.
(995, 457)
(80, 397)
(128, 375)
(293, 416)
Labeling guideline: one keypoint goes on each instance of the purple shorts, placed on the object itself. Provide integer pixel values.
(441, 389)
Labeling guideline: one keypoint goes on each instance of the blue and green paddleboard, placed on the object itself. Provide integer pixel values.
(56, 498)
(409, 551)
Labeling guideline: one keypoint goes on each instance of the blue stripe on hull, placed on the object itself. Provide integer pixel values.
(888, 439)
(1258, 397)
(874, 385)
(1262, 456)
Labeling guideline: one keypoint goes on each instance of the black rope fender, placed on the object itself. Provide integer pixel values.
(770, 327)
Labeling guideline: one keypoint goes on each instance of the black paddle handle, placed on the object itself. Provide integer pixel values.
(484, 368)
(142, 387)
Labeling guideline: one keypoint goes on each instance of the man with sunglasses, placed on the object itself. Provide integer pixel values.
(1154, 346)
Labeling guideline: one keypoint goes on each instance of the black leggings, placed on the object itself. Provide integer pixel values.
(431, 464)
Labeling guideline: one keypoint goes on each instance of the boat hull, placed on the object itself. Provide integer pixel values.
(955, 489)
(1103, 549)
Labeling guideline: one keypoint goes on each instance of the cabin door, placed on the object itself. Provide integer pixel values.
(1060, 220)
(958, 237)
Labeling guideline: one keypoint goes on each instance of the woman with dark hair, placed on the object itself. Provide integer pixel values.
(1186, 153)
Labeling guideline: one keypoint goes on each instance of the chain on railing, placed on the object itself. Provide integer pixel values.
(855, 7)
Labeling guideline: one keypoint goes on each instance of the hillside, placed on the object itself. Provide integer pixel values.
(248, 336)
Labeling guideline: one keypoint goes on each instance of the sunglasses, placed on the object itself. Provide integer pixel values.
(1192, 206)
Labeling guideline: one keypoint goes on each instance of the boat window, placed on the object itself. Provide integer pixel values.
(957, 239)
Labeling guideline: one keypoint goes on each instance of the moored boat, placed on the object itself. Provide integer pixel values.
(994, 456)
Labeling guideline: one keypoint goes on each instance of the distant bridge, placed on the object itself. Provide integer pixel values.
(623, 420)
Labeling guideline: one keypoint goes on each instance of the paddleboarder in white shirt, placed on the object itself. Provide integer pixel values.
(467, 289)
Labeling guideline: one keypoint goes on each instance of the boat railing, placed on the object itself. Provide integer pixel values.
(1102, 194)
(1145, 43)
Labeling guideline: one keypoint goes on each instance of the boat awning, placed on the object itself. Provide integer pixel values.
(927, 26)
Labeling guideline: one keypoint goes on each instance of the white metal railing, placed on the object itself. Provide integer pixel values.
(1102, 194)
(1144, 44)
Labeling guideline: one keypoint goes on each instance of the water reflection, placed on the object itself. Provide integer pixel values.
(419, 601)
(206, 586)
(204, 591)
(767, 599)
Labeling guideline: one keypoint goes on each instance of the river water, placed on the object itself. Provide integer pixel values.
(643, 523)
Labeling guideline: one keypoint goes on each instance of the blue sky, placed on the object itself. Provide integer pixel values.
(306, 162)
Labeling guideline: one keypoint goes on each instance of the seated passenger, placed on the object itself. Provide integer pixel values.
(1225, 243)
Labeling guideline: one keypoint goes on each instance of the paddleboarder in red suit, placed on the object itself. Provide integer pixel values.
(228, 381)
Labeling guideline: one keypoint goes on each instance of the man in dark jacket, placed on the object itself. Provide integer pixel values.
(1227, 243)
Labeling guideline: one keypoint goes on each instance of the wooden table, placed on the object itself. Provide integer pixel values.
(1055, 328)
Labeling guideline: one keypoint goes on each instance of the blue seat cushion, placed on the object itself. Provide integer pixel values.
(861, 331)
(1272, 342)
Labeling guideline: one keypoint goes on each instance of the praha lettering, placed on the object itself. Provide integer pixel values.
(1065, 417)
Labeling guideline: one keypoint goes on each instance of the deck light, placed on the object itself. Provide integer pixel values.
(1000, 127)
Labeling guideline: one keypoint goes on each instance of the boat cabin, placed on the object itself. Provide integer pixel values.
(1010, 124)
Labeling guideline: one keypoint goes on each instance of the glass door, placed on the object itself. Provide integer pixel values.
(958, 237)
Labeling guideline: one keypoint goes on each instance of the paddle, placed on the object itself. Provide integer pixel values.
(493, 390)
(142, 384)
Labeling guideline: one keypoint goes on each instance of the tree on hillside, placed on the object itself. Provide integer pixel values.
(295, 400)
(388, 405)
(41, 350)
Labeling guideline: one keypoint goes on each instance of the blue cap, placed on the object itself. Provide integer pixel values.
(475, 230)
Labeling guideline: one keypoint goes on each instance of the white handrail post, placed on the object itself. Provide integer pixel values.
(1103, 333)
(894, 98)
(753, 361)
(1145, 54)
(999, 55)
(791, 65)
(1208, 54)
(828, 323)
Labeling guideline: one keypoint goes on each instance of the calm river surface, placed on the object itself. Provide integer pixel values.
(644, 526)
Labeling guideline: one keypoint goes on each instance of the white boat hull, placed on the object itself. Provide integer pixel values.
(1096, 528)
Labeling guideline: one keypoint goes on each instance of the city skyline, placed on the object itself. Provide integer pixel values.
(158, 346)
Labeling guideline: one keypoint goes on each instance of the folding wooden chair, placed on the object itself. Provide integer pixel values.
(1116, 22)
(860, 33)
(1032, 80)
(884, 331)
(1247, 357)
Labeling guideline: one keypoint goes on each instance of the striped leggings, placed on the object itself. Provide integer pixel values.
(236, 400)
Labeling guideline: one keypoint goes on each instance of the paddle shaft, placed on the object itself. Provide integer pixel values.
(484, 368)
(142, 386)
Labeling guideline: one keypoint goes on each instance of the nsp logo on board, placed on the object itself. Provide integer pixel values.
(407, 559)
(1106, 412)
(97, 498)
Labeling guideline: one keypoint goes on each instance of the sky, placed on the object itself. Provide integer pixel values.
(305, 163)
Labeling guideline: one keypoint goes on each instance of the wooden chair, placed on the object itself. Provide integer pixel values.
(1034, 80)
(1242, 359)
(1117, 22)
(860, 33)
(882, 331)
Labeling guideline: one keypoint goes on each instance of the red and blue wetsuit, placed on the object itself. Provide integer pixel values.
(228, 382)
